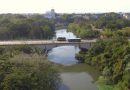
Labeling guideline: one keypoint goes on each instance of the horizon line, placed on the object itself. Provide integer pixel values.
(65, 12)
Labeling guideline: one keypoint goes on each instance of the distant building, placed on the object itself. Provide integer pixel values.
(50, 14)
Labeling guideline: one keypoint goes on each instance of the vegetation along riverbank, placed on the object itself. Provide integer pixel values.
(25, 68)
(112, 57)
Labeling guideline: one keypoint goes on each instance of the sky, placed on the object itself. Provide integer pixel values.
(64, 6)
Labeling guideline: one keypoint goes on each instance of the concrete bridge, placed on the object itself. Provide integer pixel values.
(49, 44)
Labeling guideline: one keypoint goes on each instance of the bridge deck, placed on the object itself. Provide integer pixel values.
(35, 42)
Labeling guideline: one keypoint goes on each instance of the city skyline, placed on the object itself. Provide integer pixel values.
(64, 6)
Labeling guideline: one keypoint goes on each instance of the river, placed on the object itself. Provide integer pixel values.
(75, 76)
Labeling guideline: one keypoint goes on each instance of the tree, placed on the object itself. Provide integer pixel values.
(25, 27)
(33, 72)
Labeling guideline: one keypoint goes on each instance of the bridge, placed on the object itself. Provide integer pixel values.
(49, 44)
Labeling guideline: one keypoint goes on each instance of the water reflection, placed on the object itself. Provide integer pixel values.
(63, 55)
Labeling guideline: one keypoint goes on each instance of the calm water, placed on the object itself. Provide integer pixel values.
(65, 55)
(77, 81)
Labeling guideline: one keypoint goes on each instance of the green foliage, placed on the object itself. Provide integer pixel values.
(107, 33)
(111, 56)
(25, 27)
(10, 51)
(27, 71)
(28, 49)
(111, 21)
(102, 86)
(28, 77)
(109, 24)
(125, 83)
(81, 55)
(83, 30)
(124, 32)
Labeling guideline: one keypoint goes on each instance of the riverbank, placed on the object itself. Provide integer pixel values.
(102, 86)
(111, 57)
(78, 77)
(80, 68)
(98, 80)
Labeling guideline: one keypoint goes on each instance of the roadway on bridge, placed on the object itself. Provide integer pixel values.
(35, 42)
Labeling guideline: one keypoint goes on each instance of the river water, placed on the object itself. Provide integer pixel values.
(74, 76)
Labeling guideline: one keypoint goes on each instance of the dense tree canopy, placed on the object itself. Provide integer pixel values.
(83, 30)
(111, 21)
(25, 27)
(112, 57)
(24, 68)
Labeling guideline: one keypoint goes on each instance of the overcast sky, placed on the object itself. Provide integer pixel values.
(64, 6)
